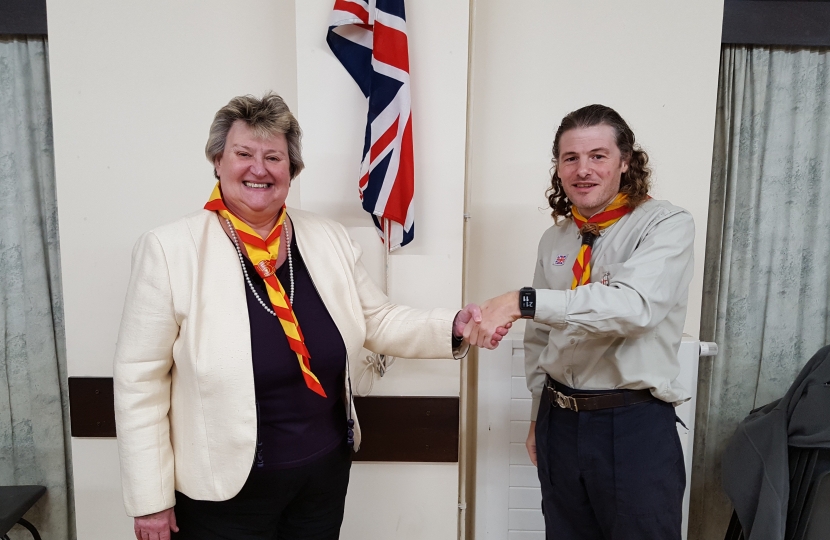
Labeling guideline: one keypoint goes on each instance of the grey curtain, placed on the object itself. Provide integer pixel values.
(766, 296)
(34, 437)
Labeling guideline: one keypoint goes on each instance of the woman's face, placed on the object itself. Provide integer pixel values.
(254, 174)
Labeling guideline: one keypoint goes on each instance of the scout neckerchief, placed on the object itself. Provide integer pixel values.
(589, 229)
(263, 254)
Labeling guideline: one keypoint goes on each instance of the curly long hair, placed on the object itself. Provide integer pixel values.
(635, 182)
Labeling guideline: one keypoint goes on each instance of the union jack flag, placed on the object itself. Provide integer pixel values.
(560, 260)
(369, 39)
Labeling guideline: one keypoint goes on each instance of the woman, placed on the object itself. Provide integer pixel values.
(232, 391)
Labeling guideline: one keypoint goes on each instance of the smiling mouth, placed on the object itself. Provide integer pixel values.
(584, 185)
(256, 185)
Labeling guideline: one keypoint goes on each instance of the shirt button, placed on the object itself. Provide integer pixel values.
(573, 341)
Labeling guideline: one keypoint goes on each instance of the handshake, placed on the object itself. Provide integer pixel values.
(486, 325)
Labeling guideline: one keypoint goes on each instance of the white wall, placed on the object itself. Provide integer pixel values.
(332, 112)
(135, 86)
(404, 501)
(655, 62)
(134, 89)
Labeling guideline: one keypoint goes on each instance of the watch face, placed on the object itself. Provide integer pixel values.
(527, 302)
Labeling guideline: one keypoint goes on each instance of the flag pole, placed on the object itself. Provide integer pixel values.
(383, 362)
(387, 250)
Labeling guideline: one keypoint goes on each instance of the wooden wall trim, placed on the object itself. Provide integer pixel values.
(91, 409)
(22, 17)
(760, 22)
(408, 428)
(412, 429)
(776, 22)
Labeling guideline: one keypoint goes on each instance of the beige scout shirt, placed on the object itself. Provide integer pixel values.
(623, 334)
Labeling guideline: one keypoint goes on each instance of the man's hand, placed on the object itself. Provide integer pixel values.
(530, 443)
(155, 526)
(471, 314)
(496, 313)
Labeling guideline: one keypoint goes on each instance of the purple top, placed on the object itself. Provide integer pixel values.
(296, 425)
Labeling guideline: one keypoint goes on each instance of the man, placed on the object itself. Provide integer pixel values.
(606, 314)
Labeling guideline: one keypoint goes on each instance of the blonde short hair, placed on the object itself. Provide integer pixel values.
(266, 117)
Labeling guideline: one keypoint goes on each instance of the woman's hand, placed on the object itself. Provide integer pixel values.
(471, 315)
(530, 443)
(155, 526)
(470, 312)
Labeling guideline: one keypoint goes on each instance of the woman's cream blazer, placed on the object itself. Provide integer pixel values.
(184, 384)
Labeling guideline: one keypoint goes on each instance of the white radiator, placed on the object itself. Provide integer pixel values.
(508, 498)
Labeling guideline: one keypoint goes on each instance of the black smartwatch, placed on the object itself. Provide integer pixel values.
(527, 302)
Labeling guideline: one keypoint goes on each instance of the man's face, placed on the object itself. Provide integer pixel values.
(590, 166)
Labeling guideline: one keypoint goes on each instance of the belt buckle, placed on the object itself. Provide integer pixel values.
(565, 402)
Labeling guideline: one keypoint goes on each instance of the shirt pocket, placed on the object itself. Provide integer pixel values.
(559, 270)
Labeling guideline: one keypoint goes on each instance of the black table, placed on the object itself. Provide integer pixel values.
(14, 502)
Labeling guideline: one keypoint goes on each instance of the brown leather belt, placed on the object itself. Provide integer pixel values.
(595, 402)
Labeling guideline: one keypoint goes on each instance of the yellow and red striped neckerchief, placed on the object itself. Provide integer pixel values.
(589, 229)
(263, 254)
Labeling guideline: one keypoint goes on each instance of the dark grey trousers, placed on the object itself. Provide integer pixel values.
(612, 474)
(303, 503)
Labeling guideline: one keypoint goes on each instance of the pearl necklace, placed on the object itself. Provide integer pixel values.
(235, 240)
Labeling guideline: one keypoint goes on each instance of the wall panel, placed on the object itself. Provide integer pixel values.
(655, 62)
(134, 89)
(396, 500)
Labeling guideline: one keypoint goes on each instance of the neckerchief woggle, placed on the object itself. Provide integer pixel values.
(263, 254)
(590, 229)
